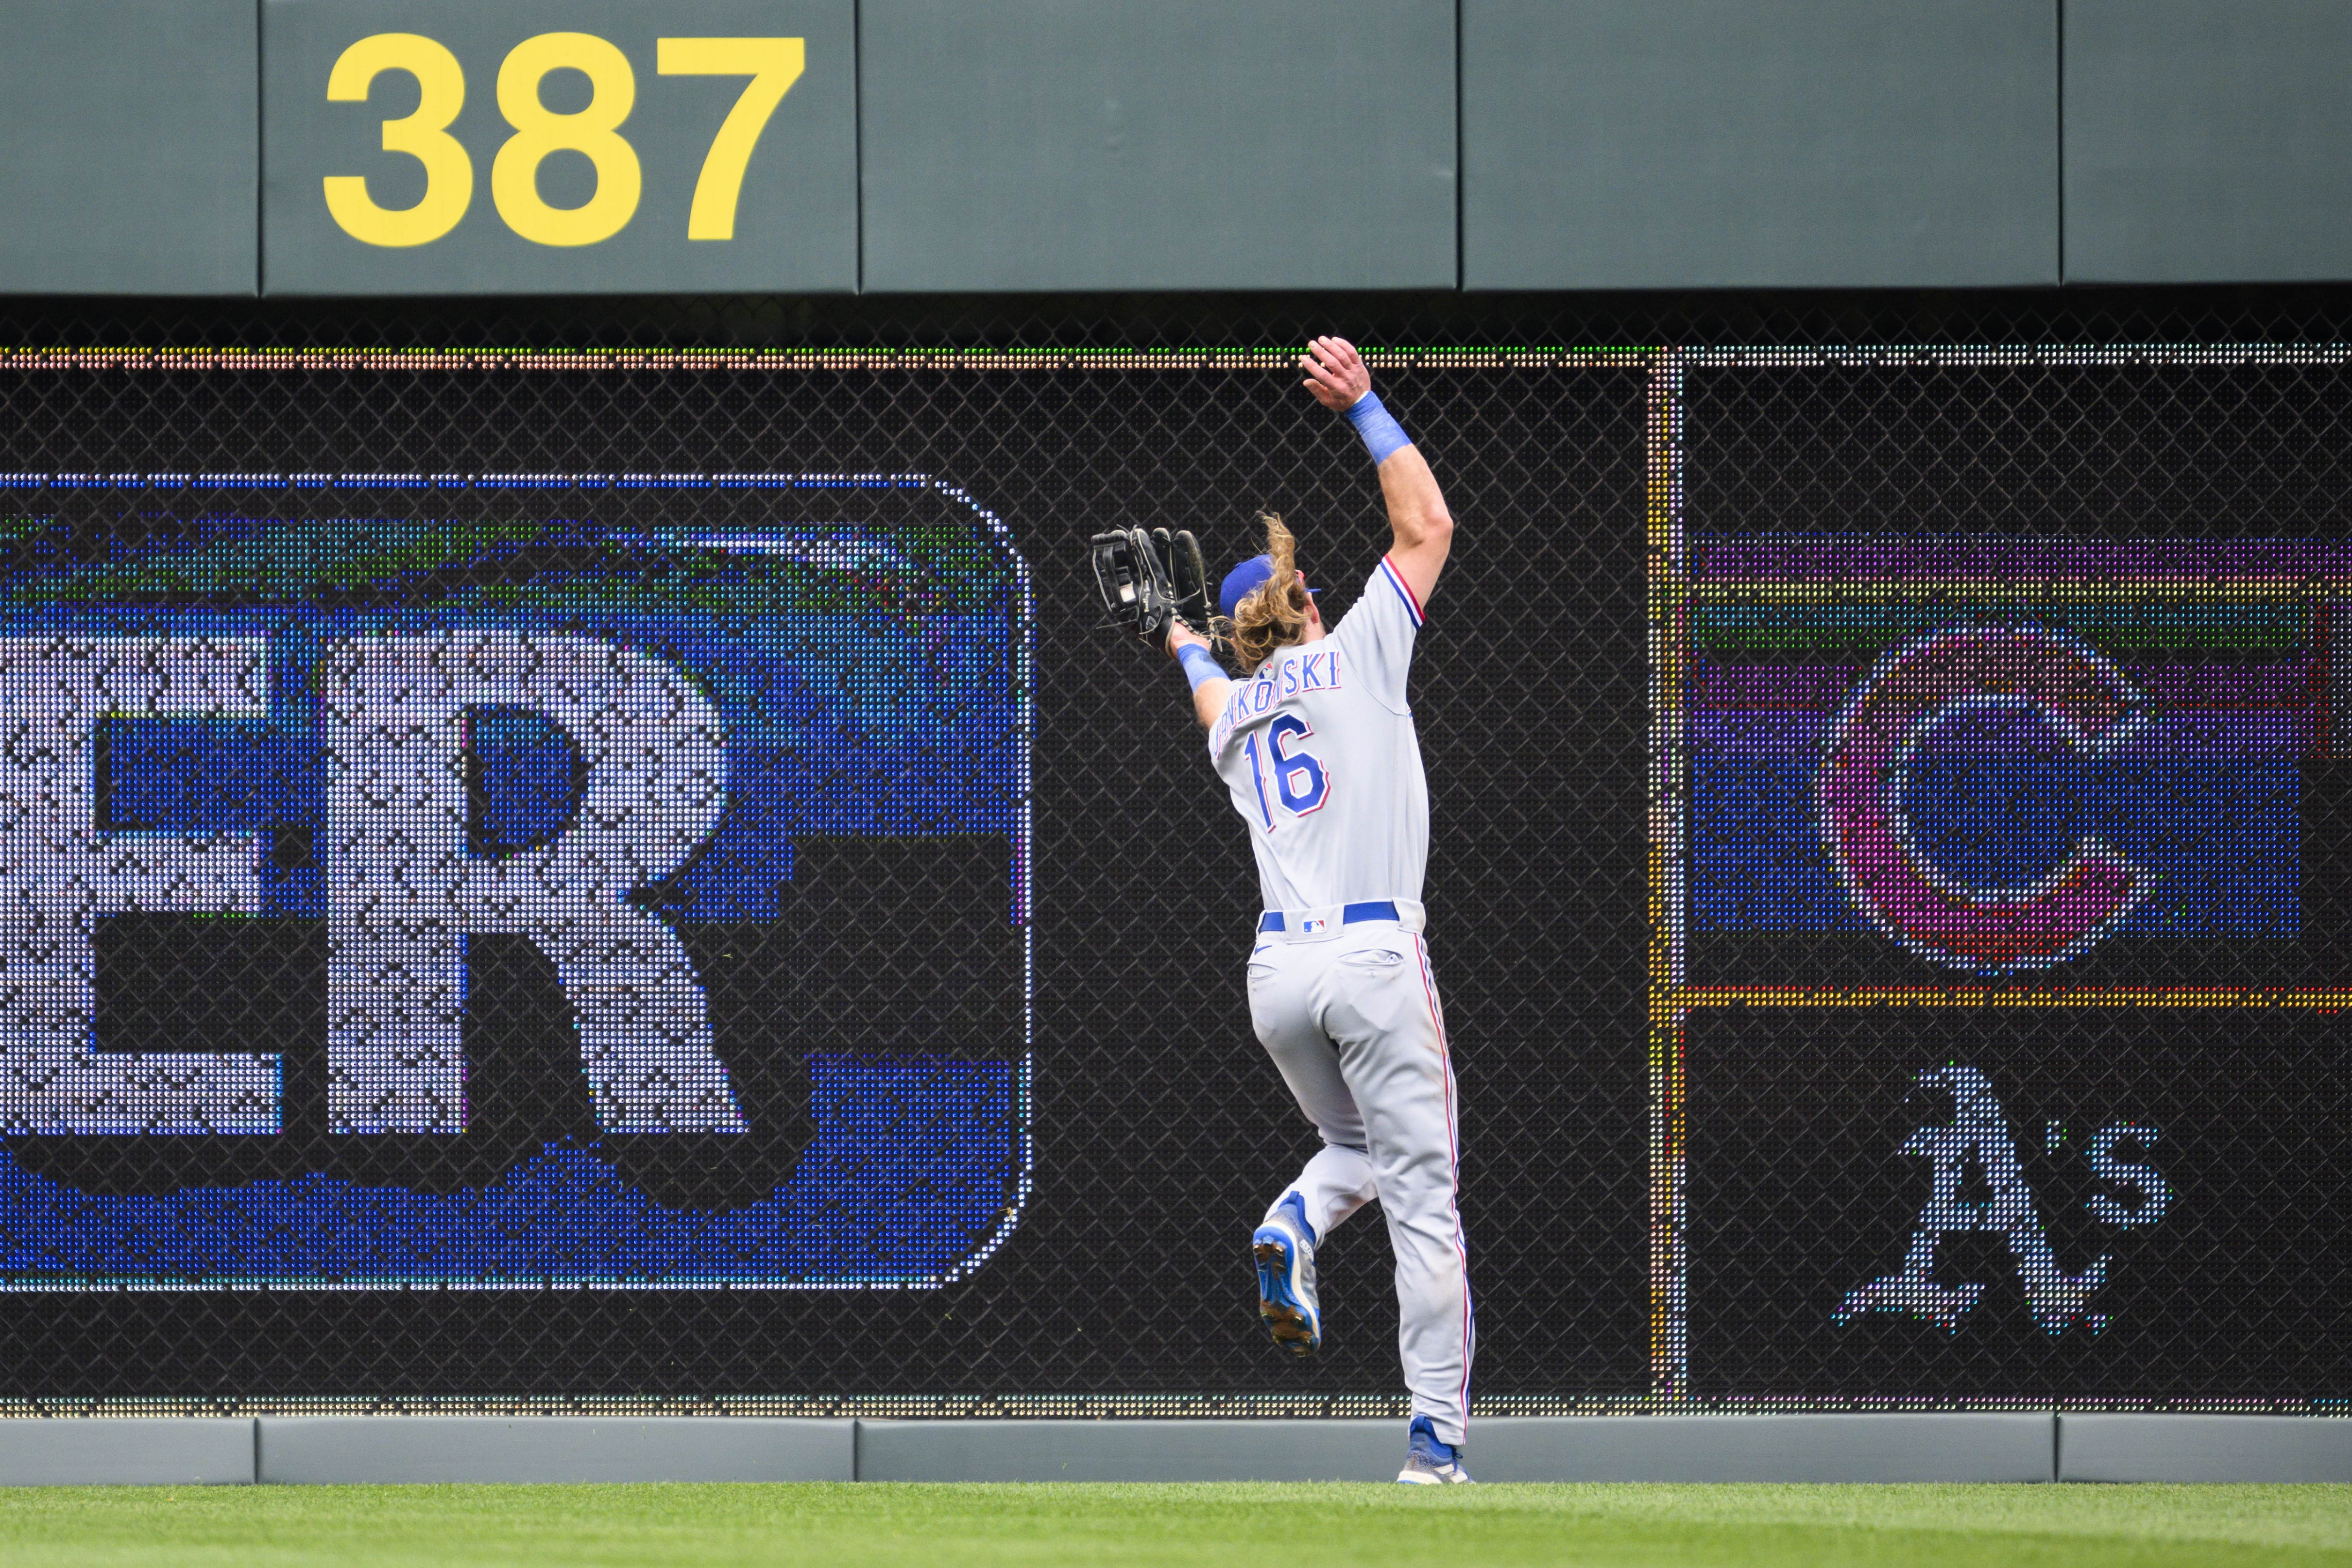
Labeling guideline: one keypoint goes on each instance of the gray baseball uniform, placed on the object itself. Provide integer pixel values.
(1318, 751)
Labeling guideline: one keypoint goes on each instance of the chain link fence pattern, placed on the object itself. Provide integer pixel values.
(1691, 1065)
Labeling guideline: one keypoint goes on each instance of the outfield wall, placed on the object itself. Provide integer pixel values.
(1886, 879)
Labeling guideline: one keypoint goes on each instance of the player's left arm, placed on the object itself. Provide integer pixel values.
(1421, 529)
(1210, 682)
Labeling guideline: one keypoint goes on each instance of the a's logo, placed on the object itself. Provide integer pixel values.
(1977, 1138)
(636, 901)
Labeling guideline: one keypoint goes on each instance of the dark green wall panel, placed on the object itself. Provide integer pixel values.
(2209, 141)
(1036, 144)
(1815, 143)
(1118, 144)
(127, 145)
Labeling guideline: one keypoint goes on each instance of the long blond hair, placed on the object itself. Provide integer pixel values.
(1273, 614)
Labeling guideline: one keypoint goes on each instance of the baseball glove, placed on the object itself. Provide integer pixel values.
(1150, 581)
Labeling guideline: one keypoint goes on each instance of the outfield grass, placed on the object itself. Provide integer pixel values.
(1226, 1526)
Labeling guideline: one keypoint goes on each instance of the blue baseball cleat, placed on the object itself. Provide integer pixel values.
(1427, 1461)
(1284, 1248)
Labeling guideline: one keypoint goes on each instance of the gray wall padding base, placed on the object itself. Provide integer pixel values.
(163, 1451)
(1922, 1447)
(1129, 1450)
(1958, 1447)
(1832, 1447)
(393, 1448)
(2204, 1448)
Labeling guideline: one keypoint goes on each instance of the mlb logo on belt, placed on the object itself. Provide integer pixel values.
(1313, 926)
(536, 838)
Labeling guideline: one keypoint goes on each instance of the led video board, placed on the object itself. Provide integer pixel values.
(406, 768)
(2001, 933)
(1890, 882)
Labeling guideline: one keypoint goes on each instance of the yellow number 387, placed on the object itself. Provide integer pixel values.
(772, 64)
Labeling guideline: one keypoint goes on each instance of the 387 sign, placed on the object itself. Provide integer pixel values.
(592, 132)
(566, 145)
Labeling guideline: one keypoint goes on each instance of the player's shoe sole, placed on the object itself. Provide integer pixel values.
(1285, 1288)
(1291, 1326)
(1433, 1476)
(1427, 1461)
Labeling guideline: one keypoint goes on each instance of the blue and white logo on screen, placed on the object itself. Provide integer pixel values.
(706, 750)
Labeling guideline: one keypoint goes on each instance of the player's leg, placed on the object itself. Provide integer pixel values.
(1384, 1012)
(1334, 1184)
(1337, 1182)
(1283, 981)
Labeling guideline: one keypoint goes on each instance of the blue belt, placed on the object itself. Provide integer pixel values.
(1348, 915)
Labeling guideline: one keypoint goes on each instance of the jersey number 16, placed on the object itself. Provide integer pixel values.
(1300, 780)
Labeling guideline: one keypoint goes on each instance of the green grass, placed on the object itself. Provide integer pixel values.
(1227, 1526)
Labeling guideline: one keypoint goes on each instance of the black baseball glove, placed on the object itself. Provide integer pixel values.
(1150, 581)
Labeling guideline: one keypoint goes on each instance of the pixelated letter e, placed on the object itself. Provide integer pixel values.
(1868, 759)
(404, 891)
(59, 872)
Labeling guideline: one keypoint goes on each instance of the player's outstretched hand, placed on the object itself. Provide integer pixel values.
(1334, 373)
(1180, 635)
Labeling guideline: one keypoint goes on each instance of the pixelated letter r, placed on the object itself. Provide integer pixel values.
(60, 873)
(405, 892)
(1991, 930)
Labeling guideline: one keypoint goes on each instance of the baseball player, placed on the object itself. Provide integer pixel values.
(1317, 746)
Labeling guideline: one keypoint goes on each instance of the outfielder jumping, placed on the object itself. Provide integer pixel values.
(1316, 745)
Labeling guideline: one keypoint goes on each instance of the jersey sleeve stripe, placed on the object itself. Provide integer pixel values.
(1403, 588)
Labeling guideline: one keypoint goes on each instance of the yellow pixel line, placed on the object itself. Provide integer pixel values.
(1668, 761)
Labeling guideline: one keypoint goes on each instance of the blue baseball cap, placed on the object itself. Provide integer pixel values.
(1245, 580)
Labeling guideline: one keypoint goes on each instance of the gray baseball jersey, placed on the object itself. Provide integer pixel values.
(1318, 751)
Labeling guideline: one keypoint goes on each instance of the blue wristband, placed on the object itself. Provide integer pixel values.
(1200, 665)
(1382, 435)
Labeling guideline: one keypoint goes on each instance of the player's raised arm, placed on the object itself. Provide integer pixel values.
(1423, 529)
(1210, 682)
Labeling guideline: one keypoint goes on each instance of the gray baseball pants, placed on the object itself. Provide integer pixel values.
(1349, 1013)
